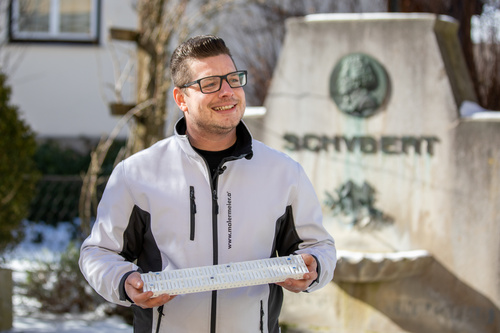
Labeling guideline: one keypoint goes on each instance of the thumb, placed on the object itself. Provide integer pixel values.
(135, 280)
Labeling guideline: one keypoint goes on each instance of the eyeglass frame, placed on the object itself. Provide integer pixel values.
(221, 77)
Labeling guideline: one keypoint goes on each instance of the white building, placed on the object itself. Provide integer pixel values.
(63, 75)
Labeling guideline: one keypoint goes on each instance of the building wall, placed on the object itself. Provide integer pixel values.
(64, 89)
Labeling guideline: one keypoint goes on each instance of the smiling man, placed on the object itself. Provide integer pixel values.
(212, 106)
(208, 195)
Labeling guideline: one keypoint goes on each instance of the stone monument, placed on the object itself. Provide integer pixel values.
(372, 106)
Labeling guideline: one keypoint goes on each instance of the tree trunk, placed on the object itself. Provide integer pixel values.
(152, 83)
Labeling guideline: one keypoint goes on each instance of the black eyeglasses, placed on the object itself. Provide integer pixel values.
(211, 84)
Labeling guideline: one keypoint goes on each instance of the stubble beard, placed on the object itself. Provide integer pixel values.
(218, 128)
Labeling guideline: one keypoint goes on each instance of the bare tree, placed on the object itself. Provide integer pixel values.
(483, 60)
(487, 56)
(93, 177)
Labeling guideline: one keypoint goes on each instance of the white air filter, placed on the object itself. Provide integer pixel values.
(233, 275)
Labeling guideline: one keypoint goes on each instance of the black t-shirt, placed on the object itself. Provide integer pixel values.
(214, 158)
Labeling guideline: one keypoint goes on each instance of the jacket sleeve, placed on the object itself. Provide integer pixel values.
(315, 239)
(101, 260)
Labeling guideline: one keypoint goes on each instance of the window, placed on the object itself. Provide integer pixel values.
(55, 20)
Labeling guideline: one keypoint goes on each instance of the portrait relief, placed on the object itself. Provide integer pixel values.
(358, 85)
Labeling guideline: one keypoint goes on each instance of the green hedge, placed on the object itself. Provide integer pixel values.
(18, 172)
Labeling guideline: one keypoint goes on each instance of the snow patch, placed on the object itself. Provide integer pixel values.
(45, 243)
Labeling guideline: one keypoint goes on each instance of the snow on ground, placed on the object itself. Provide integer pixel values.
(68, 323)
(45, 244)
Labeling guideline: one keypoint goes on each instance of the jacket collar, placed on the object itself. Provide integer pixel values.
(243, 139)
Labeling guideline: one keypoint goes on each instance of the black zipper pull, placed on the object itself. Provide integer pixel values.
(222, 169)
(215, 203)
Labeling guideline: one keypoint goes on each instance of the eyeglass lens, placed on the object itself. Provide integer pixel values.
(214, 83)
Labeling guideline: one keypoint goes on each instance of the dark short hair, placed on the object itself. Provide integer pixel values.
(198, 47)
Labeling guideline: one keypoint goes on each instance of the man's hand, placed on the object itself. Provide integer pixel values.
(297, 286)
(133, 288)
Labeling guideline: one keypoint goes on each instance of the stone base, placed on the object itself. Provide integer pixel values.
(433, 301)
(6, 310)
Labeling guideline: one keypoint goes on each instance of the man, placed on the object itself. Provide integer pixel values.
(208, 195)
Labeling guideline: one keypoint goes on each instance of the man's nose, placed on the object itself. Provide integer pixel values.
(226, 89)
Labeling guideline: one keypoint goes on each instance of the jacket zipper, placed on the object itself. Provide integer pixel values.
(192, 212)
(261, 316)
(215, 212)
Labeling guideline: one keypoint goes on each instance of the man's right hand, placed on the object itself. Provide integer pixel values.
(133, 288)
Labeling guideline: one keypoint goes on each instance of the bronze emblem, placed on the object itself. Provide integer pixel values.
(359, 85)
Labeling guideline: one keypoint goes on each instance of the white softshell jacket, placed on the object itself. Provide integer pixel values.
(161, 210)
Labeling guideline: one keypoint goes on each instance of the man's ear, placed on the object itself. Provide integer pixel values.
(179, 97)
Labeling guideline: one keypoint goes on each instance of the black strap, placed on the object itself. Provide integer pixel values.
(160, 314)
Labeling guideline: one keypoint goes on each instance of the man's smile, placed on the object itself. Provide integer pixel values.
(223, 108)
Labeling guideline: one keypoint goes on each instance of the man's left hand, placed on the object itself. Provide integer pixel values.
(297, 286)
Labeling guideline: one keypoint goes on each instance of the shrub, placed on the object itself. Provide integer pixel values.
(60, 286)
(18, 173)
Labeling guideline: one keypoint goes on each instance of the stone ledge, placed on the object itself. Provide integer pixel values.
(366, 267)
